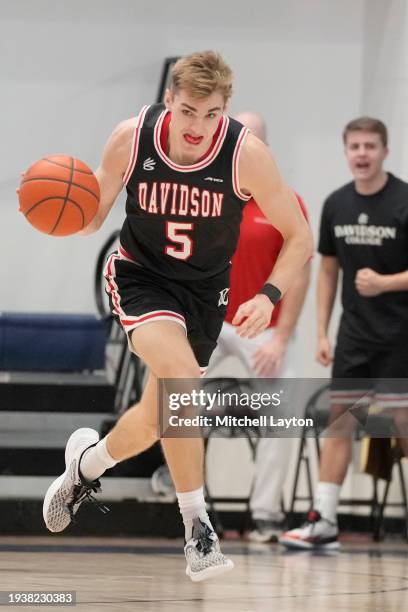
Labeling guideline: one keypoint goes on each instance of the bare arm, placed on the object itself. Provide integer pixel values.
(110, 173)
(260, 177)
(326, 293)
(370, 283)
(293, 303)
(396, 282)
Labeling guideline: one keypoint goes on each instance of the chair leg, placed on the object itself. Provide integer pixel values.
(296, 479)
(252, 444)
(308, 470)
(138, 379)
(374, 508)
(215, 517)
(404, 497)
(379, 530)
(317, 444)
(282, 506)
(246, 522)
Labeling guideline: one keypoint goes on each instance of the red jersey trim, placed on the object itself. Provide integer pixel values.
(212, 154)
(130, 322)
(125, 255)
(111, 286)
(235, 166)
(158, 315)
(135, 144)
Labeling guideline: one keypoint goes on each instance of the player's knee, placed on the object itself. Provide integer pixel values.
(177, 368)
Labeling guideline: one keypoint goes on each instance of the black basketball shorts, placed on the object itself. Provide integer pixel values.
(366, 375)
(138, 296)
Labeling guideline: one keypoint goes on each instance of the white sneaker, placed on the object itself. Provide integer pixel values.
(204, 557)
(68, 491)
(266, 530)
(317, 532)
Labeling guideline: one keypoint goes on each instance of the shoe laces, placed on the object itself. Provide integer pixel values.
(84, 491)
(202, 535)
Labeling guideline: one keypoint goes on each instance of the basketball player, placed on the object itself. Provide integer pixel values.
(364, 231)
(188, 170)
(270, 354)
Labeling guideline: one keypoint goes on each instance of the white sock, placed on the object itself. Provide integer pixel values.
(96, 460)
(326, 500)
(192, 505)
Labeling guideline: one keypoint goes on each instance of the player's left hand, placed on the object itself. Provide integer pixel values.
(253, 316)
(369, 283)
(268, 358)
(18, 188)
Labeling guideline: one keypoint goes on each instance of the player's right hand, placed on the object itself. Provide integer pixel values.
(253, 316)
(324, 353)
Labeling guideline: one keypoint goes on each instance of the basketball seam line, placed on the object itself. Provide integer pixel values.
(65, 200)
(52, 198)
(51, 161)
(47, 178)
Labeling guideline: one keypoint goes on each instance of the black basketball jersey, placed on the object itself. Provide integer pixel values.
(182, 221)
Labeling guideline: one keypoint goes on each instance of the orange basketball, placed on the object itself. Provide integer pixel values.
(59, 195)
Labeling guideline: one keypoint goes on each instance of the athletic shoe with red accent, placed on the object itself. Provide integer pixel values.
(317, 532)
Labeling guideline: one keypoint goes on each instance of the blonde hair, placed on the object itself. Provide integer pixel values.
(201, 74)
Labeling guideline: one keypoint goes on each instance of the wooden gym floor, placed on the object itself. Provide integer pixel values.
(147, 574)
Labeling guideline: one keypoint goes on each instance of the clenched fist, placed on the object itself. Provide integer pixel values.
(369, 283)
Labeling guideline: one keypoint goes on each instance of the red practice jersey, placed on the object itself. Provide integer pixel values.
(258, 248)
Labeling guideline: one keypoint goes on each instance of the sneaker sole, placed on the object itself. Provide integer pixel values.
(210, 572)
(259, 539)
(55, 514)
(302, 545)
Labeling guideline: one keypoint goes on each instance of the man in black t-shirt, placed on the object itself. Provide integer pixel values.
(363, 233)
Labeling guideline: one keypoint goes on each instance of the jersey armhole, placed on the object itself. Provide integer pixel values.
(135, 144)
(235, 166)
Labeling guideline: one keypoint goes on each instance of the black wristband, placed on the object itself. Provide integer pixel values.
(271, 292)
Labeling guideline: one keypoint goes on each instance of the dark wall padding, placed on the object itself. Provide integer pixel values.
(52, 342)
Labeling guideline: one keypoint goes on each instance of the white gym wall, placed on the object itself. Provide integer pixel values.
(71, 71)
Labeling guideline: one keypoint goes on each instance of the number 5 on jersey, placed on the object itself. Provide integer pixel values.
(176, 233)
